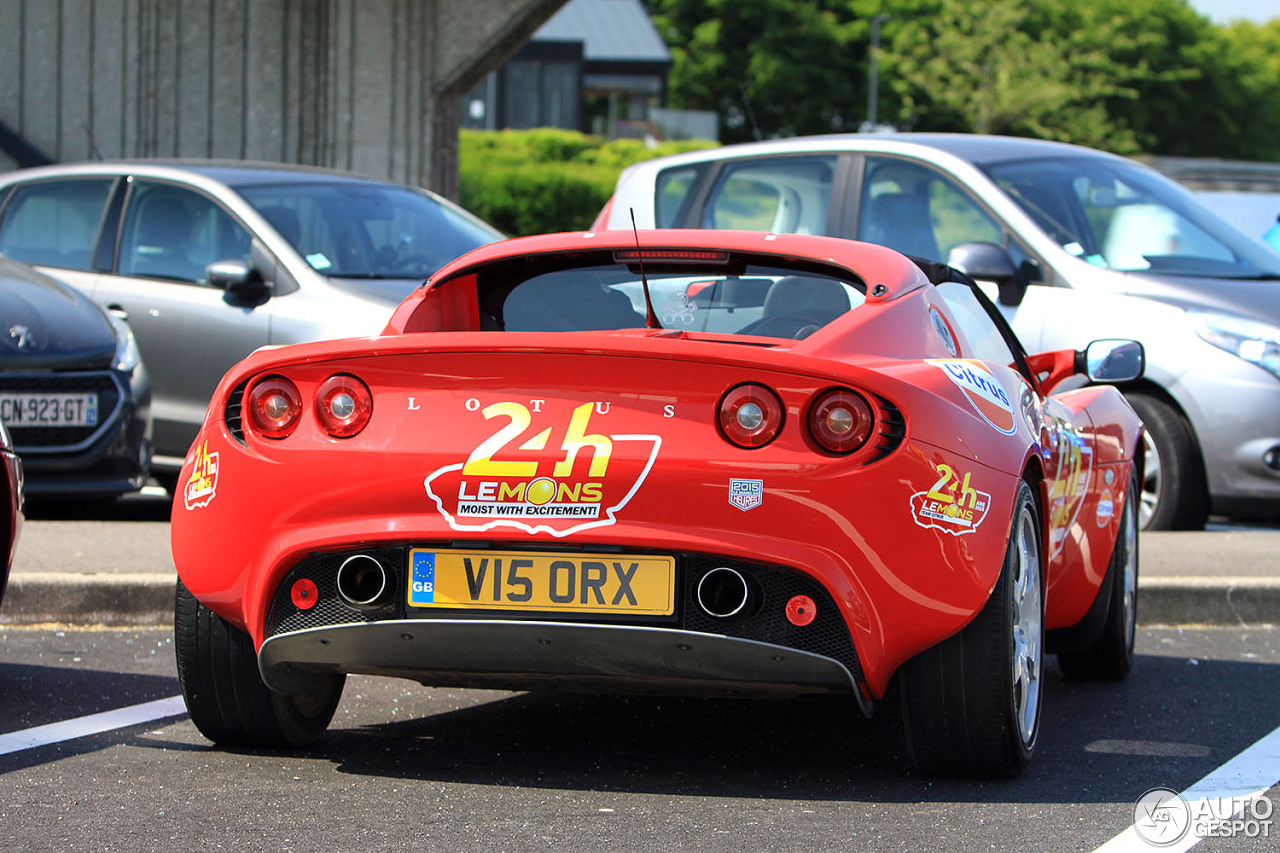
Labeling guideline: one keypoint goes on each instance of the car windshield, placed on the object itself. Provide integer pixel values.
(758, 300)
(1125, 217)
(369, 231)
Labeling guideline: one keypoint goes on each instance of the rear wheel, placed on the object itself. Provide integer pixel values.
(971, 704)
(168, 481)
(1111, 657)
(1174, 494)
(224, 691)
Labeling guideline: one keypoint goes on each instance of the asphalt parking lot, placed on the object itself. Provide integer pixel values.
(97, 754)
(406, 766)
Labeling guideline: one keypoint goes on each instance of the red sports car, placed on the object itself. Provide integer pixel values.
(10, 506)
(679, 461)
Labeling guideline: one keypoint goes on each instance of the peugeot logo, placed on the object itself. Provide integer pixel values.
(22, 335)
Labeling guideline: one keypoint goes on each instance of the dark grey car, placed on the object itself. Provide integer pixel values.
(209, 261)
(73, 391)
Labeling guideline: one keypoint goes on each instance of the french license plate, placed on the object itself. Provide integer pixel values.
(545, 581)
(49, 410)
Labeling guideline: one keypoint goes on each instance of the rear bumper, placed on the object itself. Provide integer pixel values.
(758, 650)
(523, 655)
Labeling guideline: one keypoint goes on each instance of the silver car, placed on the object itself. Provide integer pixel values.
(209, 261)
(1077, 245)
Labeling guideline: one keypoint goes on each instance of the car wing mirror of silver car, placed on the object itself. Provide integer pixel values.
(990, 262)
(240, 279)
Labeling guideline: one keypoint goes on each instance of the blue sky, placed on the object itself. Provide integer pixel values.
(1225, 11)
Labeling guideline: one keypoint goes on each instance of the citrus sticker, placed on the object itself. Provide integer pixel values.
(1106, 509)
(982, 389)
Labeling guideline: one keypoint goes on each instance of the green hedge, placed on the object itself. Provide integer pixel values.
(543, 180)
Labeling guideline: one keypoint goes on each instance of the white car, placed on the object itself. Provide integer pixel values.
(1078, 244)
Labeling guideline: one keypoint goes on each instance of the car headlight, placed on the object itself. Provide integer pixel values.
(127, 356)
(1253, 341)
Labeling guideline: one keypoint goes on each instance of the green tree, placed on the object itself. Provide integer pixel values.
(768, 67)
(1244, 62)
(1173, 51)
(1122, 75)
(984, 65)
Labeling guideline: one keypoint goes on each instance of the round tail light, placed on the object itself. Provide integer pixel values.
(750, 415)
(840, 421)
(275, 407)
(343, 405)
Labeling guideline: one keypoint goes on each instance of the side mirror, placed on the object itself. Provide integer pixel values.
(1114, 361)
(989, 262)
(238, 278)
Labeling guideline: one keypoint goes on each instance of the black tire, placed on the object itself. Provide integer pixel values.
(1110, 658)
(971, 704)
(168, 480)
(224, 691)
(1175, 494)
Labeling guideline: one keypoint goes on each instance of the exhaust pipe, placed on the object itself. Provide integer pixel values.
(363, 583)
(723, 592)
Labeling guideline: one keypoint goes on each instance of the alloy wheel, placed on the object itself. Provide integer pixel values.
(1028, 626)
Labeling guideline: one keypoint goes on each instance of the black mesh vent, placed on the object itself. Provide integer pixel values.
(827, 635)
(58, 383)
(232, 413)
(54, 383)
(329, 609)
(765, 622)
(892, 429)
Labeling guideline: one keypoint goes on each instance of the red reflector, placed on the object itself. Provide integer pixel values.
(304, 594)
(801, 610)
(657, 255)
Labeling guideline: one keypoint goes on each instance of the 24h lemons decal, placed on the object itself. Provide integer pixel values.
(509, 481)
(202, 485)
(951, 504)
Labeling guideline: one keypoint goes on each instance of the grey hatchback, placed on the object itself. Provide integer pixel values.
(210, 260)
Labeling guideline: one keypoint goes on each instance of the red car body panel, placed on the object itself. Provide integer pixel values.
(11, 517)
(624, 424)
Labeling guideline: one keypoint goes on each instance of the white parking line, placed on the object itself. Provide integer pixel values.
(93, 724)
(1240, 782)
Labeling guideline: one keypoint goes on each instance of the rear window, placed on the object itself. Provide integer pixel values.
(760, 301)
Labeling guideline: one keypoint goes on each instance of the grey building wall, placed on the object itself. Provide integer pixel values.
(370, 86)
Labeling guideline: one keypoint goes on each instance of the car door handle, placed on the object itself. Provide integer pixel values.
(119, 312)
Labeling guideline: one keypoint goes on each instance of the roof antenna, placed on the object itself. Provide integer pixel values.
(650, 319)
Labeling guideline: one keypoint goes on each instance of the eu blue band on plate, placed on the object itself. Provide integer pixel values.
(423, 589)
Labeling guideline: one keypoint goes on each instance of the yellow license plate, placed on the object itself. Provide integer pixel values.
(538, 580)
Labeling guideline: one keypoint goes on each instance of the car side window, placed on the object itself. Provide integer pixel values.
(171, 232)
(672, 195)
(985, 339)
(785, 195)
(919, 211)
(55, 223)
